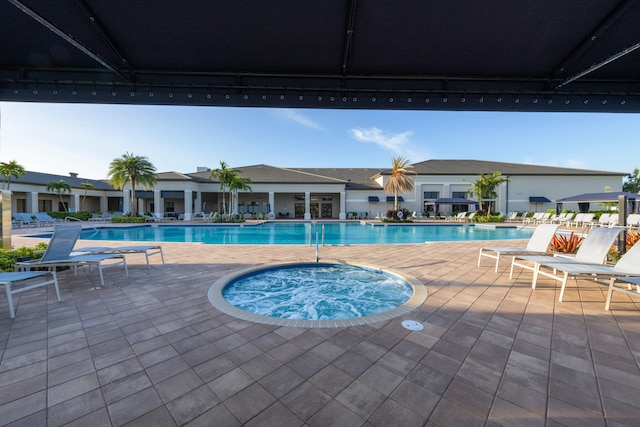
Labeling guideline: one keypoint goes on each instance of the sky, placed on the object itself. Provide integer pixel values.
(85, 138)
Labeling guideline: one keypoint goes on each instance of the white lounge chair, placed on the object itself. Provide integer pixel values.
(8, 279)
(585, 221)
(148, 251)
(627, 266)
(461, 216)
(58, 254)
(593, 250)
(627, 287)
(633, 221)
(538, 245)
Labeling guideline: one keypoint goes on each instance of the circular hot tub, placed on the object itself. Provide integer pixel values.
(316, 294)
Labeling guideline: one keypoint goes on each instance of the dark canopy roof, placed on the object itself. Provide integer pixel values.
(611, 196)
(538, 199)
(543, 55)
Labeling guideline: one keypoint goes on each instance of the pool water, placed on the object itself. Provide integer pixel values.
(317, 292)
(338, 233)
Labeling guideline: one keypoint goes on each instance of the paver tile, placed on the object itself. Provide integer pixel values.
(151, 350)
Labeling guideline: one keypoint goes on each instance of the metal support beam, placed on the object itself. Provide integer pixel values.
(86, 10)
(68, 38)
(348, 42)
(600, 64)
(593, 36)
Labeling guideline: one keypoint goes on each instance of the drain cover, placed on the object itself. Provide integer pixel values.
(412, 325)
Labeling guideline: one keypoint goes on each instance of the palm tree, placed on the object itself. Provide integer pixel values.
(484, 187)
(632, 184)
(224, 174)
(87, 186)
(59, 188)
(399, 181)
(237, 183)
(9, 169)
(135, 170)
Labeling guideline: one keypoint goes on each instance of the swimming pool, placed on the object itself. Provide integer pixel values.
(300, 233)
(317, 292)
(316, 295)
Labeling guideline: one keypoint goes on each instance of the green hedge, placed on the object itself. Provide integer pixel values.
(8, 258)
(83, 216)
(488, 218)
(128, 219)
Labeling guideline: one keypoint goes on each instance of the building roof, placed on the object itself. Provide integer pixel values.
(355, 178)
(266, 174)
(39, 178)
(476, 167)
(352, 178)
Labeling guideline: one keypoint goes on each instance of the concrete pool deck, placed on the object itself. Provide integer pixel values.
(151, 350)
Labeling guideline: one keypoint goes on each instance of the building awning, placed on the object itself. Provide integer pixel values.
(539, 199)
(391, 199)
(140, 194)
(374, 199)
(165, 194)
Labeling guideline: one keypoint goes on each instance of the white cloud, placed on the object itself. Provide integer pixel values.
(392, 142)
(398, 143)
(297, 118)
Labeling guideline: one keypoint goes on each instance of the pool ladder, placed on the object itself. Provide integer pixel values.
(317, 241)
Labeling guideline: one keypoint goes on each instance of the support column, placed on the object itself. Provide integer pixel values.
(307, 206)
(188, 202)
(126, 202)
(104, 203)
(343, 205)
(197, 201)
(157, 203)
(272, 202)
(32, 202)
(74, 202)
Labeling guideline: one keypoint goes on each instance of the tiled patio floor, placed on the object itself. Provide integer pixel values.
(151, 350)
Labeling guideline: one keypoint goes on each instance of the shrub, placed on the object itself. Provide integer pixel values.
(231, 219)
(128, 219)
(392, 216)
(632, 238)
(488, 218)
(566, 244)
(83, 216)
(8, 258)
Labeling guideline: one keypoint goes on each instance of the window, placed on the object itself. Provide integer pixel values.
(169, 207)
(431, 194)
(459, 194)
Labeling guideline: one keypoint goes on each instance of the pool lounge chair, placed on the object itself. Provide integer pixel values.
(593, 250)
(627, 266)
(8, 279)
(58, 254)
(633, 221)
(148, 251)
(44, 219)
(27, 220)
(627, 285)
(538, 245)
